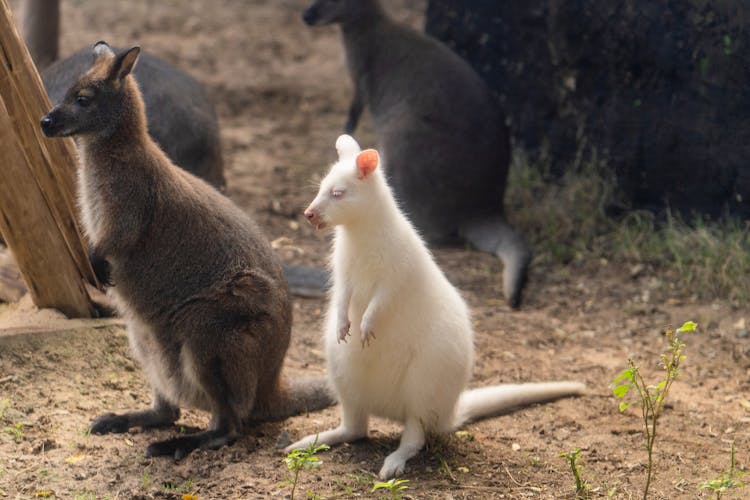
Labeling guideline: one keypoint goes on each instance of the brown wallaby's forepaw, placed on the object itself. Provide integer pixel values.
(109, 423)
(101, 268)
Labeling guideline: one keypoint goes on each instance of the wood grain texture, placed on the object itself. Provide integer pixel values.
(37, 186)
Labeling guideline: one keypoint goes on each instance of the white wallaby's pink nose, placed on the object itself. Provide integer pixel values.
(313, 217)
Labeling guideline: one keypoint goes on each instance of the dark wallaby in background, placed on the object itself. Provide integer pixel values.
(442, 135)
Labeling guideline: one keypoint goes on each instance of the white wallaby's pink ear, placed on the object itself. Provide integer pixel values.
(346, 146)
(367, 162)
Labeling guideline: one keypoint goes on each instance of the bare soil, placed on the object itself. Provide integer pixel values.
(282, 92)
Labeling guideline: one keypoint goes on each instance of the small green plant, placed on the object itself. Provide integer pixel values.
(146, 480)
(15, 430)
(582, 487)
(305, 459)
(84, 495)
(186, 486)
(394, 488)
(651, 397)
(727, 480)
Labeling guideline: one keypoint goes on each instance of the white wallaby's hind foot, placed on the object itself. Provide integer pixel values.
(353, 427)
(493, 400)
(339, 435)
(494, 235)
(412, 441)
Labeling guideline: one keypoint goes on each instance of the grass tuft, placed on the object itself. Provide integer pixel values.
(566, 220)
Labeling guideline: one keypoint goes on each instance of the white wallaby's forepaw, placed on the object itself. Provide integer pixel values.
(393, 466)
(367, 335)
(343, 330)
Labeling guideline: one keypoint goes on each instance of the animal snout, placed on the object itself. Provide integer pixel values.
(52, 123)
(313, 217)
(311, 214)
(48, 125)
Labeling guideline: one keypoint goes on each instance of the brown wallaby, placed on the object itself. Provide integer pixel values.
(441, 133)
(204, 297)
(188, 133)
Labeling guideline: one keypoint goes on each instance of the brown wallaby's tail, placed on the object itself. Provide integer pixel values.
(296, 396)
(494, 235)
(308, 282)
(497, 399)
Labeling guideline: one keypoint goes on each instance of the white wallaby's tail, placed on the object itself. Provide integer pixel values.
(496, 399)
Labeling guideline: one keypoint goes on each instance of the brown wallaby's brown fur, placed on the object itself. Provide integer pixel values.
(204, 297)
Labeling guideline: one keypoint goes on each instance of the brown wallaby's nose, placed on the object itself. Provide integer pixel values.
(48, 125)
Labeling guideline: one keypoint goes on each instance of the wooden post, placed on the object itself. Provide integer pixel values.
(37, 186)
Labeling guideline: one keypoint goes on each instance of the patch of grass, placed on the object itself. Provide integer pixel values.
(567, 219)
(442, 448)
(562, 218)
(710, 257)
(728, 479)
(651, 398)
(187, 486)
(15, 430)
(84, 495)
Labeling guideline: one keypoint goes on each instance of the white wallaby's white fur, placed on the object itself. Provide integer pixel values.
(410, 354)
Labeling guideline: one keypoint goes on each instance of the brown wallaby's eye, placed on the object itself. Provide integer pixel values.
(83, 100)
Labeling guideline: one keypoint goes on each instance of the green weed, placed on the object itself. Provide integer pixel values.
(727, 480)
(582, 487)
(393, 488)
(15, 430)
(146, 480)
(651, 398)
(297, 460)
(186, 486)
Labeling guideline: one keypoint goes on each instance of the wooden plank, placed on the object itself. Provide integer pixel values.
(38, 186)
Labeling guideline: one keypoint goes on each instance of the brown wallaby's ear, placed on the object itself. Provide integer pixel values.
(367, 162)
(124, 64)
(102, 49)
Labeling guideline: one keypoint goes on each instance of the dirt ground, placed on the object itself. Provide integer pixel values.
(282, 92)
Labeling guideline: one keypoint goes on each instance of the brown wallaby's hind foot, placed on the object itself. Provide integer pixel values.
(494, 235)
(161, 415)
(181, 447)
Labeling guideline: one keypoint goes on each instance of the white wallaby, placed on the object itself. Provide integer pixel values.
(415, 352)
